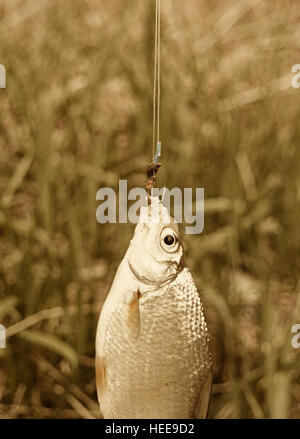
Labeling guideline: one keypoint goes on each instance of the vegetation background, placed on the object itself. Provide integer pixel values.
(77, 116)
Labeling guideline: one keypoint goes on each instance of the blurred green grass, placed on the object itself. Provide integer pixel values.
(76, 116)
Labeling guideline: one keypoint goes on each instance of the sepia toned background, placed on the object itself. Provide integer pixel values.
(76, 116)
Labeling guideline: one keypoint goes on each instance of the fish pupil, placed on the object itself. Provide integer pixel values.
(169, 239)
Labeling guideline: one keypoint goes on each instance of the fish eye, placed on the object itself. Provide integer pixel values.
(169, 240)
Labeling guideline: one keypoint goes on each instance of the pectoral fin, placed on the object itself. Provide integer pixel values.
(132, 316)
(100, 376)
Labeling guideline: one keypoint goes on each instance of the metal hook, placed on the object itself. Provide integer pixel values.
(163, 195)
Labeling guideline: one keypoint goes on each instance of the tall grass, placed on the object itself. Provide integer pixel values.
(76, 116)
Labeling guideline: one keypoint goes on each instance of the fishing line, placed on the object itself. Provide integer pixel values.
(156, 86)
(153, 167)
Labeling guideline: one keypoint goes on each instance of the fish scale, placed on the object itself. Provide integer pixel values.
(178, 344)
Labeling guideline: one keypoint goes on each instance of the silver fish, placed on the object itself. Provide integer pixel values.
(153, 357)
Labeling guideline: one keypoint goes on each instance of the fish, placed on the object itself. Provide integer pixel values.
(153, 353)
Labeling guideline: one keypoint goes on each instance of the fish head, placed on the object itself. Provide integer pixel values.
(155, 254)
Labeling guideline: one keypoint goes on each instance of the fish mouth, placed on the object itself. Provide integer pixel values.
(149, 282)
